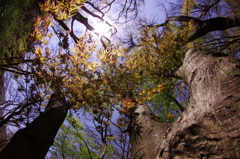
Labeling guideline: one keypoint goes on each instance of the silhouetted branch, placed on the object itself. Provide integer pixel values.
(202, 27)
(206, 8)
(65, 27)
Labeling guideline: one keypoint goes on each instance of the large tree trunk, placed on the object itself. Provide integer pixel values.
(208, 128)
(34, 141)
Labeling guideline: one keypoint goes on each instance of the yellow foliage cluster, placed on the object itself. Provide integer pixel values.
(121, 122)
(148, 94)
(62, 9)
(75, 74)
(158, 51)
(110, 137)
(171, 116)
(94, 82)
(40, 32)
(127, 105)
(109, 56)
(188, 6)
(68, 72)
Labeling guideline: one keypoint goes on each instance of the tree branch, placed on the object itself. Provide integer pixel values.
(97, 9)
(206, 26)
(213, 24)
(207, 8)
(20, 107)
(83, 20)
(65, 27)
(85, 143)
(103, 151)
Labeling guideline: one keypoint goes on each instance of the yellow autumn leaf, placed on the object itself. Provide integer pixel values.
(74, 9)
(80, 2)
(38, 50)
(62, 16)
(111, 137)
(74, 49)
(171, 116)
(51, 34)
(107, 123)
(68, 31)
(144, 91)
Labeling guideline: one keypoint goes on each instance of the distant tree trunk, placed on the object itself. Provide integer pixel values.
(34, 141)
(3, 131)
(208, 128)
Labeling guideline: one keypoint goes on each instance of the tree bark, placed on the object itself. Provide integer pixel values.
(208, 128)
(34, 141)
(146, 133)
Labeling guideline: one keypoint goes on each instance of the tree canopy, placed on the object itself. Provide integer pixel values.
(98, 74)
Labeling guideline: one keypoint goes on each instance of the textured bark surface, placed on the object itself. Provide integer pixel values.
(209, 127)
(34, 141)
(146, 132)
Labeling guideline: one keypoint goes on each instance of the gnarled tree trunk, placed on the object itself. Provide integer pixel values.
(34, 141)
(209, 127)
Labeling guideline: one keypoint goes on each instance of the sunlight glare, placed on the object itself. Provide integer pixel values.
(102, 28)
